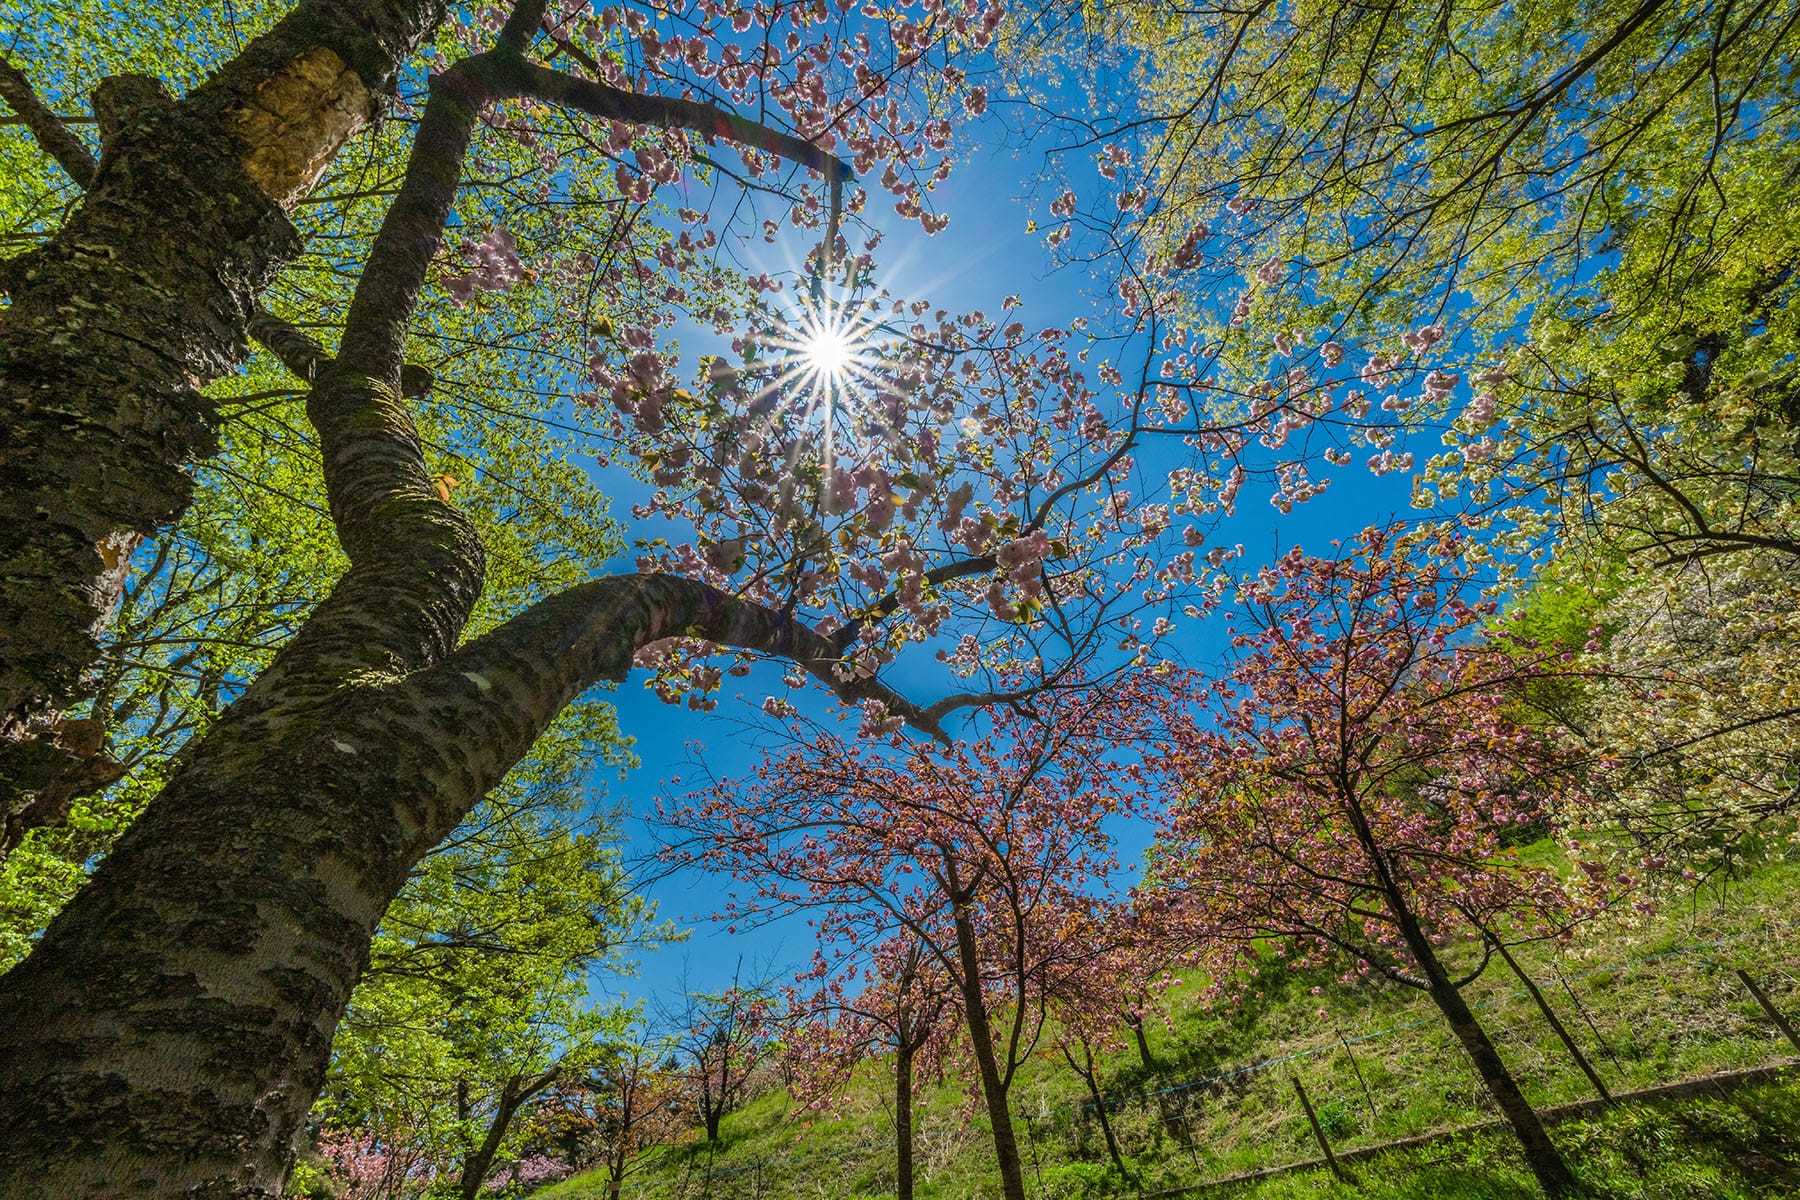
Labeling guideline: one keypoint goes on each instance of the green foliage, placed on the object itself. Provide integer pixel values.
(212, 598)
(479, 977)
(1735, 1147)
(311, 1180)
(1079, 1181)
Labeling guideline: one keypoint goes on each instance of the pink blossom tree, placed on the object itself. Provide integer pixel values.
(903, 1008)
(970, 480)
(1351, 784)
(1097, 1002)
(367, 1168)
(992, 856)
(720, 1040)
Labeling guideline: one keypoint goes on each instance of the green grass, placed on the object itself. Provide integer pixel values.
(1671, 1013)
(1738, 1147)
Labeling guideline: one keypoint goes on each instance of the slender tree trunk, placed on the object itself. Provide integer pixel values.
(1085, 1069)
(480, 1160)
(1541, 1155)
(1136, 1024)
(981, 1039)
(903, 1121)
(621, 1153)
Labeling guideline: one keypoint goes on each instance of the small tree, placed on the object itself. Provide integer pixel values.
(1096, 1003)
(476, 996)
(627, 1103)
(901, 1010)
(1351, 784)
(722, 1039)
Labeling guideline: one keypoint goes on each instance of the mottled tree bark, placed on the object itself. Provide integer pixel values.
(142, 296)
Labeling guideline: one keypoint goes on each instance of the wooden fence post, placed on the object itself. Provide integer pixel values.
(1555, 1022)
(1312, 1119)
(1357, 1067)
(1588, 1017)
(1768, 1006)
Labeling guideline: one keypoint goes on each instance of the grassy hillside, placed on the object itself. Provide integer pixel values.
(1650, 1005)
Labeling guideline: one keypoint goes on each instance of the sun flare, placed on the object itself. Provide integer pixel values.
(830, 357)
(829, 351)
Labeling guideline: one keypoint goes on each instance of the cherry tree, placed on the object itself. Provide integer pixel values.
(902, 1008)
(1097, 1002)
(723, 1037)
(625, 1104)
(992, 855)
(1353, 785)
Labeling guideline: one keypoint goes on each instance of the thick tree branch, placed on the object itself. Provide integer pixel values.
(507, 686)
(56, 139)
(669, 112)
(593, 631)
(143, 293)
(416, 562)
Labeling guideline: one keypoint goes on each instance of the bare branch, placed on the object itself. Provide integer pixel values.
(307, 360)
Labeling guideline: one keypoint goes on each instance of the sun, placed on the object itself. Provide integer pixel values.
(829, 351)
(830, 355)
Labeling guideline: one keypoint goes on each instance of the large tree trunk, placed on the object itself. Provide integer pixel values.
(167, 1035)
(180, 1010)
(142, 296)
(981, 1040)
(169, 1032)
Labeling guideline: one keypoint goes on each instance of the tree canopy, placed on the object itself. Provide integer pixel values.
(381, 380)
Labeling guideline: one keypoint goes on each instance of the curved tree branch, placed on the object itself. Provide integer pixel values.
(669, 112)
(514, 680)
